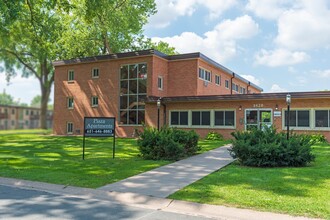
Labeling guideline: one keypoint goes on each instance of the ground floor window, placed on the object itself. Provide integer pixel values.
(69, 128)
(298, 118)
(179, 118)
(322, 118)
(224, 118)
(203, 118)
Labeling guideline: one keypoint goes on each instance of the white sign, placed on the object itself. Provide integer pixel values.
(277, 113)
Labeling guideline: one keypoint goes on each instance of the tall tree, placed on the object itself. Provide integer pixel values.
(33, 33)
(6, 99)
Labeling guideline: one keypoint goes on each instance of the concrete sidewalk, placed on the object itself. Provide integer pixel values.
(165, 180)
(157, 204)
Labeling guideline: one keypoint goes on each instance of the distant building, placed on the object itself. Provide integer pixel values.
(195, 93)
(20, 117)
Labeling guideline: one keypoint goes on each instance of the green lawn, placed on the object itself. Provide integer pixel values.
(296, 191)
(53, 159)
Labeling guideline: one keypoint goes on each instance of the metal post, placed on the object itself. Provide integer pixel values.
(288, 102)
(158, 108)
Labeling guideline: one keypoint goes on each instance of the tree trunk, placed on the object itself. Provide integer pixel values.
(46, 85)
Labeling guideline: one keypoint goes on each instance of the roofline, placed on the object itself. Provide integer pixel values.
(151, 52)
(238, 97)
(19, 106)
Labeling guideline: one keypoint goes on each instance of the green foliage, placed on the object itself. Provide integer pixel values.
(317, 139)
(267, 148)
(167, 143)
(212, 135)
(6, 99)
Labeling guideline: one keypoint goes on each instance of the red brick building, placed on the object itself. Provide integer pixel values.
(196, 93)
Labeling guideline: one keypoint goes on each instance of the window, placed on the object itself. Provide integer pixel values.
(217, 80)
(95, 101)
(227, 84)
(235, 87)
(322, 118)
(179, 118)
(13, 111)
(298, 118)
(27, 123)
(160, 82)
(133, 91)
(243, 90)
(70, 75)
(70, 103)
(26, 112)
(12, 123)
(205, 75)
(69, 128)
(201, 118)
(224, 118)
(95, 73)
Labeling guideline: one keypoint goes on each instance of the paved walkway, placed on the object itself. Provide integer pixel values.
(165, 180)
(135, 200)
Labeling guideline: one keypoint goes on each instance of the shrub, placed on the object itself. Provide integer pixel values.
(167, 143)
(214, 136)
(317, 139)
(267, 148)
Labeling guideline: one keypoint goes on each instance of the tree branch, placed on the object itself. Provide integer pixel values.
(22, 61)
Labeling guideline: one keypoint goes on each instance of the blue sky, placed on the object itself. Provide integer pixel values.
(280, 45)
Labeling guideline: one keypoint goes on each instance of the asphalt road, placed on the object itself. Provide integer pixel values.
(20, 203)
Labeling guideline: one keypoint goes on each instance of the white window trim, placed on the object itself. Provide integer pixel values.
(67, 128)
(161, 78)
(70, 80)
(204, 75)
(93, 76)
(295, 128)
(215, 79)
(68, 101)
(212, 117)
(93, 105)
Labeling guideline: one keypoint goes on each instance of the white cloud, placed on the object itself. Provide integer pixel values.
(220, 43)
(322, 73)
(305, 26)
(169, 11)
(270, 9)
(252, 79)
(280, 57)
(22, 89)
(277, 88)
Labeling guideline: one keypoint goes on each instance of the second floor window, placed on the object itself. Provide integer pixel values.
(70, 103)
(227, 84)
(205, 75)
(217, 80)
(95, 101)
(160, 82)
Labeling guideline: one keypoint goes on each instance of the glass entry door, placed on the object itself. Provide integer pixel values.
(257, 118)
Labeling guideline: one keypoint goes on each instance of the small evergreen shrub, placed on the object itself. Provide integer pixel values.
(167, 143)
(214, 136)
(267, 148)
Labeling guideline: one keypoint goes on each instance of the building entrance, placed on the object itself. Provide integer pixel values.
(258, 118)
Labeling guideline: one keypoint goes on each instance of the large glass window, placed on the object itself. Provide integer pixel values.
(322, 118)
(202, 118)
(179, 118)
(298, 118)
(133, 91)
(224, 118)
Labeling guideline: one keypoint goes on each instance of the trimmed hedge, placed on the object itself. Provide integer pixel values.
(167, 143)
(267, 148)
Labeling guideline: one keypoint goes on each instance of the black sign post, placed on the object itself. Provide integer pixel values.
(100, 127)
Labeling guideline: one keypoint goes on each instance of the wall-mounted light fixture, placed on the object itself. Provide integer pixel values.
(276, 107)
(240, 108)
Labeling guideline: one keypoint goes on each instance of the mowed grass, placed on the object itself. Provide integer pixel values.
(54, 159)
(296, 191)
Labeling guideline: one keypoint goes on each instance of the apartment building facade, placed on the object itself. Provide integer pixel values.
(20, 117)
(194, 92)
